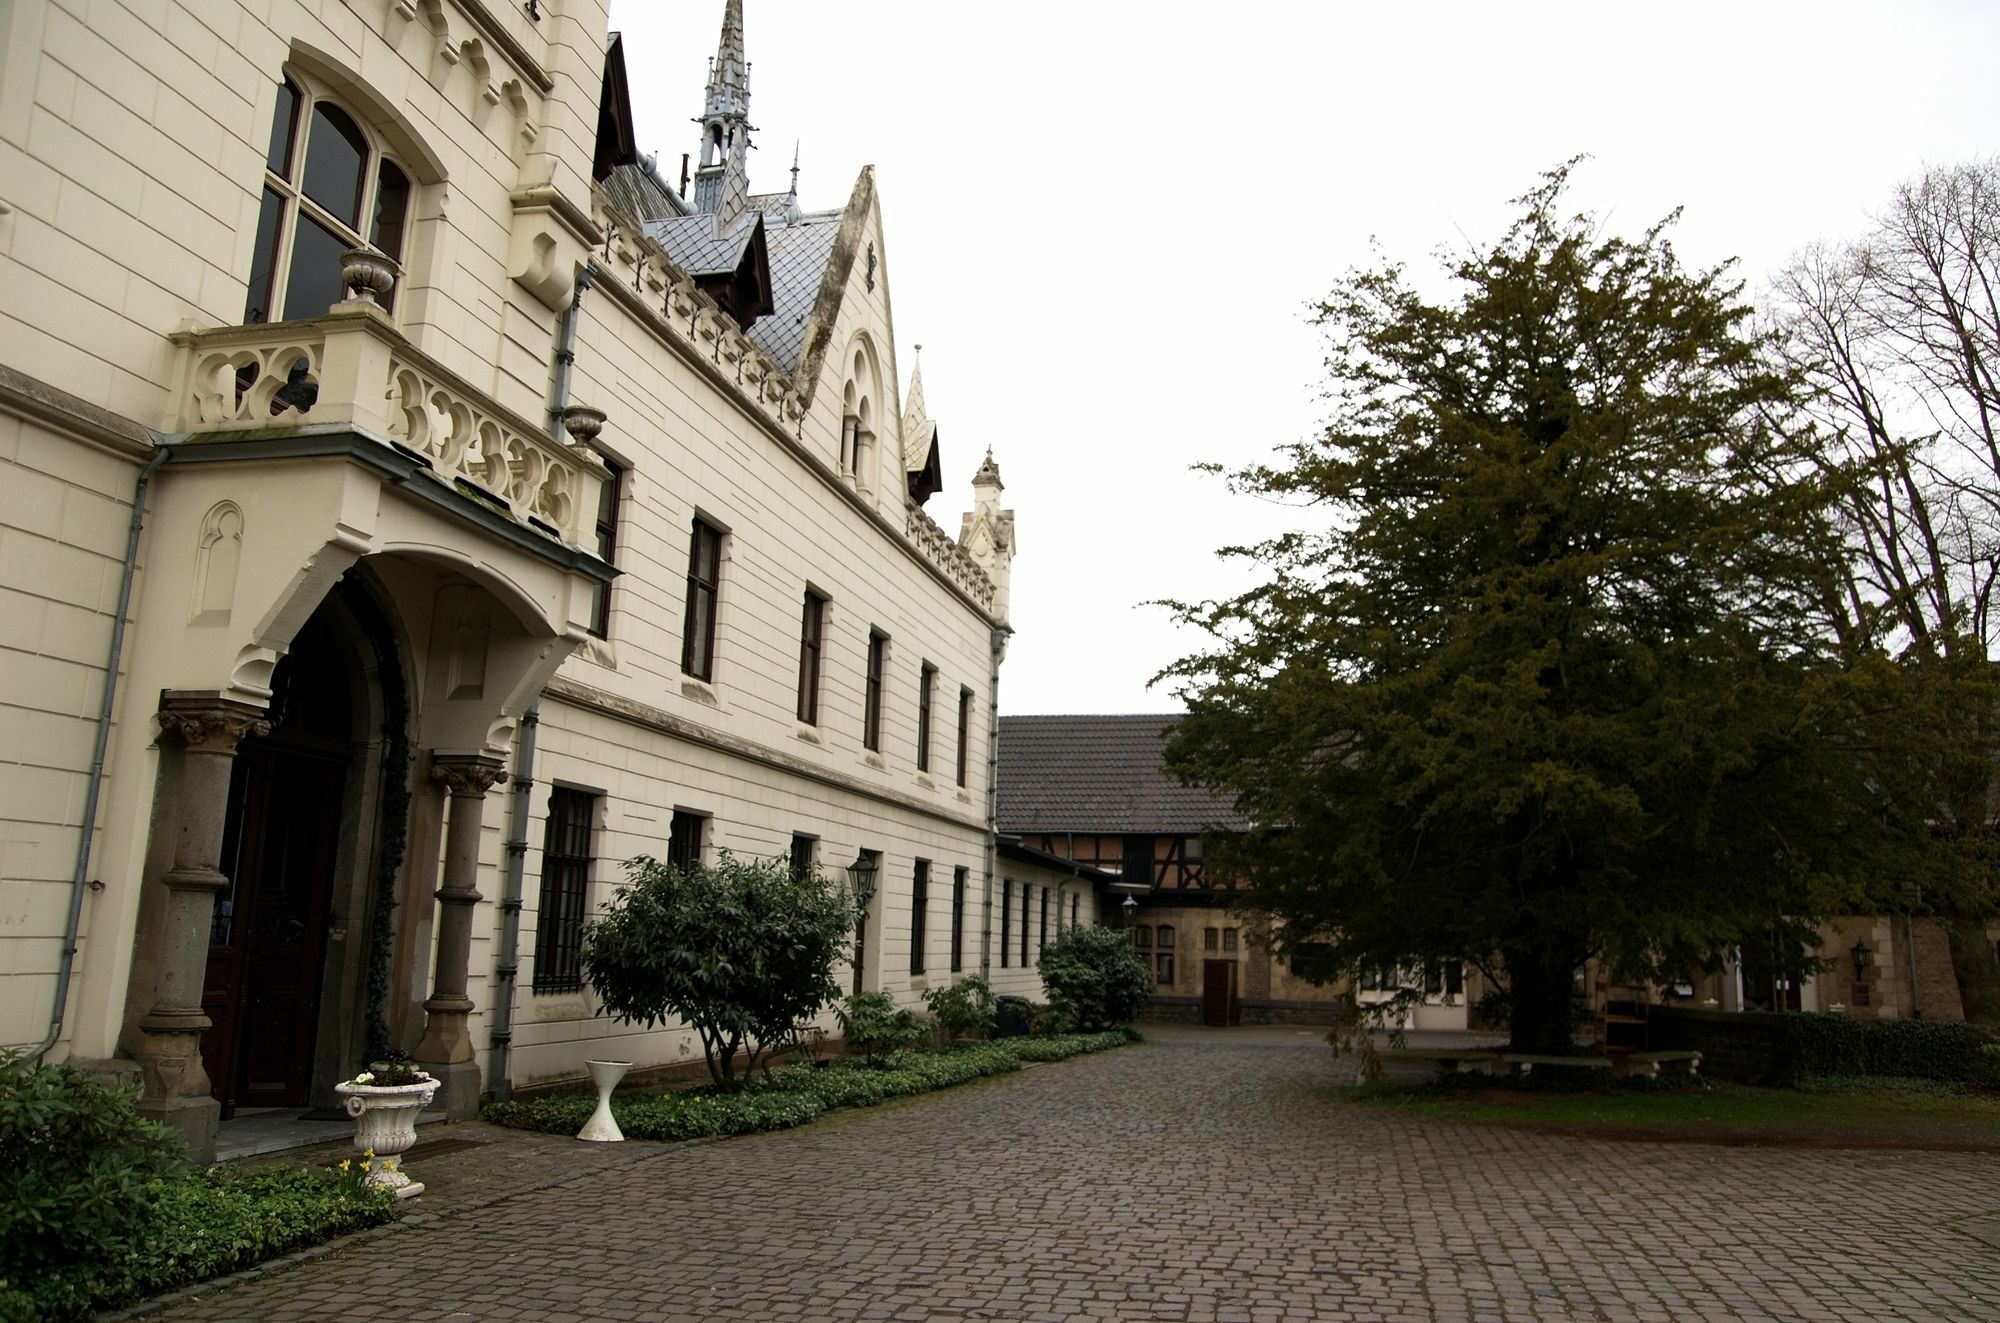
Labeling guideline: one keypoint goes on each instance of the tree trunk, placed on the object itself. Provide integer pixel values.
(1972, 961)
(1541, 986)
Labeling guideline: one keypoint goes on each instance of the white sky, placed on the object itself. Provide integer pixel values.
(1105, 221)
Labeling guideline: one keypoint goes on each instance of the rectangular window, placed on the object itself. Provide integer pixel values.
(803, 849)
(565, 890)
(957, 919)
(926, 683)
(964, 731)
(684, 840)
(1136, 865)
(1308, 960)
(812, 634)
(1163, 943)
(871, 702)
(1026, 892)
(920, 903)
(1042, 943)
(1006, 919)
(607, 543)
(698, 630)
(1228, 940)
(1210, 939)
(1073, 901)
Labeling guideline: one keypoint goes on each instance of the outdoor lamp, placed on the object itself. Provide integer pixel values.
(1860, 952)
(1131, 907)
(862, 871)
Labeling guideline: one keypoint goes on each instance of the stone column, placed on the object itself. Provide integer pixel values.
(175, 1087)
(446, 1049)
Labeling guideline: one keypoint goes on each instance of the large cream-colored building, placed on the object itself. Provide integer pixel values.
(466, 449)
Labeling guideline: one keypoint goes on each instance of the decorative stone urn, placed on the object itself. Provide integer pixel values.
(366, 274)
(583, 423)
(385, 1122)
(602, 1127)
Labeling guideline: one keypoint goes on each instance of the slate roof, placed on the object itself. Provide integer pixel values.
(696, 247)
(798, 255)
(1097, 774)
(639, 190)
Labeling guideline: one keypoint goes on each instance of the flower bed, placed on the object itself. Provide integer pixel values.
(796, 1094)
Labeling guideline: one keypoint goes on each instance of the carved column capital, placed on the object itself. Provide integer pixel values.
(466, 775)
(208, 722)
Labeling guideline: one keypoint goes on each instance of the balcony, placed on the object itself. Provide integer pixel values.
(351, 370)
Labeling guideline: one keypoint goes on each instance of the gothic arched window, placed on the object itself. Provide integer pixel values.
(327, 188)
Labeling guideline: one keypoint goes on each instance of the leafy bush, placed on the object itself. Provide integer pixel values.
(1094, 978)
(81, 1176)
(795, 1094)
(875, 1026)
(964, 1008)
(199, 1226)
(742, 951)
(1790, 1048)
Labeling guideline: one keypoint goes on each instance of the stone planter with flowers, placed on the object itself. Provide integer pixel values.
(384, 1101)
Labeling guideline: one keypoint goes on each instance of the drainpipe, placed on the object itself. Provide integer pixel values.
(80, 879)
(507, 963)
(507, 959)
(997, 646)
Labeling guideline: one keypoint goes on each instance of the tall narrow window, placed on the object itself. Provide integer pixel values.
(926, 684)
(803, 849)
(812, 635)
(957, 919)
(607, 543)
(1006, 921)
(871, 702)
(1163, 946)
(565, 891)
(327, 188)
(1042, 942)
(684, 840)
(964, 731)
(920, 902)
(1026, 891)
(698, 630)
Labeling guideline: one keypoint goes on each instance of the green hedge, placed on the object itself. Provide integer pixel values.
(1915, 1049)
(795, 1094)
(201, 1224)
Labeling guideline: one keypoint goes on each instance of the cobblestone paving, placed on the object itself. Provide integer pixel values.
(1206, 1177)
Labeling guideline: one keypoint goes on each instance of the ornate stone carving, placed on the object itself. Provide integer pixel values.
(468, 776)
(209, 723)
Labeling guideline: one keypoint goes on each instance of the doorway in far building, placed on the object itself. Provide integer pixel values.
(1218, 994)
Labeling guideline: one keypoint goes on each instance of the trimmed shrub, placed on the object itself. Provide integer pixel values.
(964, 1009)
(875, 1026)
(1784, 1049)
(1094, 978)
(81, 1178)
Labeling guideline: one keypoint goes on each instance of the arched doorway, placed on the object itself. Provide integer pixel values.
(297, 870)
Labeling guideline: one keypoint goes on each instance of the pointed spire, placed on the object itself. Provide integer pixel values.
(722, 184)
(914, 416)
(989, 473)
(795, 179)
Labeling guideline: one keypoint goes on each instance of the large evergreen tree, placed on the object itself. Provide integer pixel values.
(1549, 677)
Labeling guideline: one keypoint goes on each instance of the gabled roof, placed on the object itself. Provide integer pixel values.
(799, 253)
(1098, 774)
(701, 248)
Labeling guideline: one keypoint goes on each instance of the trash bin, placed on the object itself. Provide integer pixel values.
(1010, 1017)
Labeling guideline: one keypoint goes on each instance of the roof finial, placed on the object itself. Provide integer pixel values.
(722, 184)
(795, 167)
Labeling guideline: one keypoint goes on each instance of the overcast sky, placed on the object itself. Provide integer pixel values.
(1105, 222)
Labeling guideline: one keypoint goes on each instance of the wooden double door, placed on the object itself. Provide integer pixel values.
(1218, 994)
(268, 932)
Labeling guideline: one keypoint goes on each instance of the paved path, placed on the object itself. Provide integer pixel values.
(1206, 1177)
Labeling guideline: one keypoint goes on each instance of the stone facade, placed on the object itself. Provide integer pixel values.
(376, 549)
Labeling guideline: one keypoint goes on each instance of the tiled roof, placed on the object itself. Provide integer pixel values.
(798, 256)
(639, 190)
(1097, 774)
(695, 244)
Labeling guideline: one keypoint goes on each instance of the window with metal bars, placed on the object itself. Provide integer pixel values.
(698, 628)
(803, 848)
(957, 919)
(565, 890)
(920, 902)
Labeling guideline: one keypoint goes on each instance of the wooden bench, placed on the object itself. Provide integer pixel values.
(1525, 1062)
(1421, 1065)
(1647, 1065)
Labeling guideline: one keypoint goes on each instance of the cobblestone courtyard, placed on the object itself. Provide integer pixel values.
(1204, 1177)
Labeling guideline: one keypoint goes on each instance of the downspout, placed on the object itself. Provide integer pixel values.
(997, 646)
(80, 879)
(507, 959)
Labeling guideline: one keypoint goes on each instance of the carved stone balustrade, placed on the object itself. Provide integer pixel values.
(944, 552)
(353, 368)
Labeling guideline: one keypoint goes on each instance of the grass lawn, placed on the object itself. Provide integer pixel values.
(1870, 1113)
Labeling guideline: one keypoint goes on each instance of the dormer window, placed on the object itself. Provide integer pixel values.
(327, 188)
